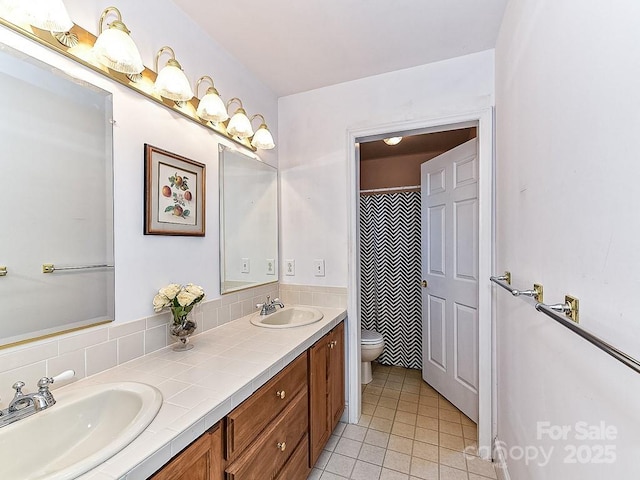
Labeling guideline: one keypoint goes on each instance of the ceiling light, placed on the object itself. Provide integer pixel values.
(239, 125)
(171, 81)
(392, 140)
(114, 48)
(211, 107)
(262, 138)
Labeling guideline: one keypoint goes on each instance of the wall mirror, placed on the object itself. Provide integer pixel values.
(248, 221)
(56, 240)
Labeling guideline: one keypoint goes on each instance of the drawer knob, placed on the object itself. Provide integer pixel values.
(280, 394)
(282, 446)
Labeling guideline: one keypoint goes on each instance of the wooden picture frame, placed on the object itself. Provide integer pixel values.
(174, 194)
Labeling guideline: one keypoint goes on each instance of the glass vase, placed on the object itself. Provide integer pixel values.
(181, 328)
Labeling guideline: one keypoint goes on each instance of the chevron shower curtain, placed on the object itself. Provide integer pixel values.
(390, 263)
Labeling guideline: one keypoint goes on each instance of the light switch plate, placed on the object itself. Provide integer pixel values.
(289, 267)
(246, 266)
(271, 266)
(318, 268)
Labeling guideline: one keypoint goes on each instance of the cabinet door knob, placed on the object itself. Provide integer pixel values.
(280, 394)
(282, 446)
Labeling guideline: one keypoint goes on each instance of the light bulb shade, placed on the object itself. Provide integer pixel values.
(48, 15)
(211, 107)
(392, 140)
(263, 138)
(115, 49)
(172, 83)
(13, 11)
(239, 125)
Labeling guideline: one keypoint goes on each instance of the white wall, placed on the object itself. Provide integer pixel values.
(313, 149)
(567, 103)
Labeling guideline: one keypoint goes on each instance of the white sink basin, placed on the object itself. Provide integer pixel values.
(288, 317)
(84, 428)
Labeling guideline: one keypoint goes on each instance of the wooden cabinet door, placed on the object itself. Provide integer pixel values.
(336, 376)
(251, 417)
(202, 460)
(319, 421)
(270, 452)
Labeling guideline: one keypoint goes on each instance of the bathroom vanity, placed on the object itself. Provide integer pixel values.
(247, 399)
(267, 436)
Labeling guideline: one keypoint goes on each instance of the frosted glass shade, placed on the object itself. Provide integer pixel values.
(211, 107)
(49, 15)
(115, 49)
(172, 83)
(263, 138)
(12, 11)
(239, 125)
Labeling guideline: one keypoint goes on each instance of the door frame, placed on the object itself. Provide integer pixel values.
(484, 120)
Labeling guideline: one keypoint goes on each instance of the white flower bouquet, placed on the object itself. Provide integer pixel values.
(179, 298)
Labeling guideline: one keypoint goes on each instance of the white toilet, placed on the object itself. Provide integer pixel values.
(371, 347)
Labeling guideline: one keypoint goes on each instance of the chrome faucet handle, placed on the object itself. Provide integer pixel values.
(44, 382)
(19, 400)
(18, 388)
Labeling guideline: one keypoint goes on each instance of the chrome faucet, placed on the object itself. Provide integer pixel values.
(26, 404)
(269, 306)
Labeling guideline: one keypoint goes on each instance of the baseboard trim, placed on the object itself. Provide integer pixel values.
(500, 462)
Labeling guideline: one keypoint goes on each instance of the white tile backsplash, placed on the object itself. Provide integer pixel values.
(101, 357)
(335, 297)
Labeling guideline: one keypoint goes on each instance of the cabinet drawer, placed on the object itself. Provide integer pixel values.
(255, 413)
(298, 465)
(266, 456)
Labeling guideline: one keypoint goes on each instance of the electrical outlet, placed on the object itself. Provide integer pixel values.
(289, 267)
(246, 266)
(271, 266)
(318, 268)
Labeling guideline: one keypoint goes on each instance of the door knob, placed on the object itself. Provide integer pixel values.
(424, 284)
(280, 394)
(282, 446)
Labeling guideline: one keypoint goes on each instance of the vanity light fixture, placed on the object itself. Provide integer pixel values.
(392, 140)
(51, 15)
(262, 138)
(171, 81)
(211, 106)
(114, 48)
(239, 125)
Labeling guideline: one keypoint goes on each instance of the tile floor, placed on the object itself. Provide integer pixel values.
(407, 432)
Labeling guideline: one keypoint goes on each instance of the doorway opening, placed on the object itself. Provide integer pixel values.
(390, 239)
(474, 125)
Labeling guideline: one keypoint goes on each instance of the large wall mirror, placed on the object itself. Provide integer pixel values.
(56, 240)
(248, 221)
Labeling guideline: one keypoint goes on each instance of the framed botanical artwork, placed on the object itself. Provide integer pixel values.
(174, 194)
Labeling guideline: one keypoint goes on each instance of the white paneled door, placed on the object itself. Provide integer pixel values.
(450, 276)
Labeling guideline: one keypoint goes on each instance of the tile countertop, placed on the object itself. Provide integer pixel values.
(201, 386)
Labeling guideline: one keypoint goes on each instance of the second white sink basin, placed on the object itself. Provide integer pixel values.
(84, 428)
(288, 317)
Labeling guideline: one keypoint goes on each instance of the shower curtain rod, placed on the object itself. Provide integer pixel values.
(391, 189)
